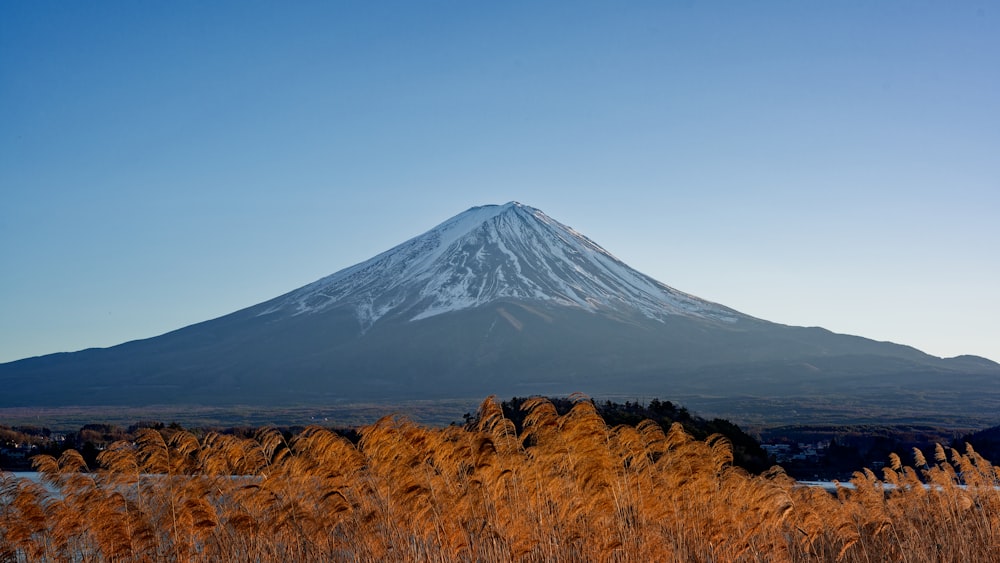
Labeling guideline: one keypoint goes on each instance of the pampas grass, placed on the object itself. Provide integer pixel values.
(567, 488)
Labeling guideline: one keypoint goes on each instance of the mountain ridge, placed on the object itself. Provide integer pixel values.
(497, 300)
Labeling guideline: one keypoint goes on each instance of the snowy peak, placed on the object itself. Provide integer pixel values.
(509, 251)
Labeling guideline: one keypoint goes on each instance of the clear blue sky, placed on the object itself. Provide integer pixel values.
(811, 163)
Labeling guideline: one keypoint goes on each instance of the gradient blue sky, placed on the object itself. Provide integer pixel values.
(811, 163)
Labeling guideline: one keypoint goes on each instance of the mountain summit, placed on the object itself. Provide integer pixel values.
(505, 300)
(489, 253)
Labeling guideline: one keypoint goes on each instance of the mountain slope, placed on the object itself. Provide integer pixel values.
(496, 300)
(489, 253)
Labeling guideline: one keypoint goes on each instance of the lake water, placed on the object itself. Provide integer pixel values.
(31, 475)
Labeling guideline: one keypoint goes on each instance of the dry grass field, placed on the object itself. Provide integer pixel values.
(568, 488)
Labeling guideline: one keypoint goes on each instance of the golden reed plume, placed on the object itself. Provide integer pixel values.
(566, 488)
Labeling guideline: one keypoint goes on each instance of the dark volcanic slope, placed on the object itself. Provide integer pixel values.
(497, 300)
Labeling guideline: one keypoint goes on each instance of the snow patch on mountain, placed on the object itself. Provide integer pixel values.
(488, 253)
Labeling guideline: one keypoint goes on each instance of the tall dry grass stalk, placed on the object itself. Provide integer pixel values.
(567, 488)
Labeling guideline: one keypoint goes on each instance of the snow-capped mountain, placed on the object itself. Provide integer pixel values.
(492, 252)
(500, 299)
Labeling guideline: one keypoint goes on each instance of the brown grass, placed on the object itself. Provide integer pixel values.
(568, 488)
